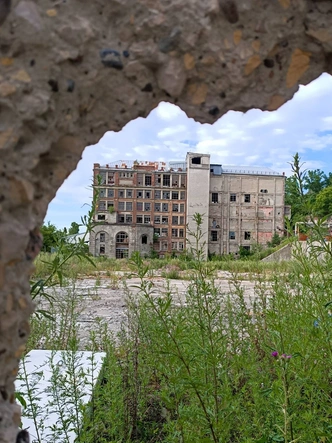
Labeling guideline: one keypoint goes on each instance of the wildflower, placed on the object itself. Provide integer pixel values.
(285, 356)
(275, 354)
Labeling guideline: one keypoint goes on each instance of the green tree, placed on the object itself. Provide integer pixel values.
(51, 236)
(323, 203)
(74, 228)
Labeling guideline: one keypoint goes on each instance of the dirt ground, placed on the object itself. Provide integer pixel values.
(105, 297)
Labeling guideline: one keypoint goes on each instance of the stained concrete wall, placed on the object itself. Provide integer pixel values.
(72, 70)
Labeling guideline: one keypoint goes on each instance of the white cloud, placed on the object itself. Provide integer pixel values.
(264, 118)
(278, 131)
(171, 130)
(167, 111)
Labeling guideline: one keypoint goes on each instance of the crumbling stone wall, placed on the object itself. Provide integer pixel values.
(72, 69)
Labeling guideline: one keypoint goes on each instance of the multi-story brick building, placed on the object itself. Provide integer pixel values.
(148, 205)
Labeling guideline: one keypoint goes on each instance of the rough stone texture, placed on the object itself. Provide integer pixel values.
(71, 70)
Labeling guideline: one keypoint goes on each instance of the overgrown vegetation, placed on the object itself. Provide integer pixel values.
(218, 367)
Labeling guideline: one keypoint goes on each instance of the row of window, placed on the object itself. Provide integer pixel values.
(163, 232)
(232, 197)
(141, 193)
(140, 206)
(142, 179)
(231, 235)
(176, 246)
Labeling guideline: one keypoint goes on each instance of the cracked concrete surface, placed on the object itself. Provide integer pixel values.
(72, 69)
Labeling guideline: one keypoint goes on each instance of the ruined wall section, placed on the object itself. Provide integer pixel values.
(71, 70)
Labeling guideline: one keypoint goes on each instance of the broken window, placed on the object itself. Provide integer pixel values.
(175, 220)
(181, 220)
(156, 231)
(182, 195)
(129, 206)
(129, 218)
(264, 191)
(102, 237)
(148, 194)
(246, 248)
(140, 179)
(175, 207)
(181, 246)
(182, 207)
(157, 195)
(166, 195)
(102, 178)
(101, 217)
(157, 207)
(121, 253)
(110, 180)
(129, 193)
(157, 219)
(232, 198)
(174, 245)
(148, 180)
(181, 233)
(214, 197)
(175, 195)
(247, 235)
(110, 193)
(246, 198)
(121, 218)
(164, 220)
(147, 219)
(121, 193)
(158, 178)
(144, 239)
(166, 180)
(139, 219)
(110, 205)
(174, 232)
(102, 250)
(139, 206)
(121, 206)
(196, 160)
(121, 237)
(102, 206)
(102, 193)
(232, 235)
(164, 232)
(165, 207)
(214, 235)
(147, 206)
(139, 194)
(164, 246)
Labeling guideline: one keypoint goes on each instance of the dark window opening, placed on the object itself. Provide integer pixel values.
(102, 250)
(102, 237)
(231, 235)
(214, 197)
(264, 191)
(232, 198)
(246, 198)
(214, 235)
(121, 253)
(247, 235)
(196, 160)
(101, 217)
(122, 237)
(148, 180)
(144, 239)
(139, 219)
(166, 180)
(246, 248)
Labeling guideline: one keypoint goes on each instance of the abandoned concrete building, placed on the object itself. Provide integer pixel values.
(144, 206)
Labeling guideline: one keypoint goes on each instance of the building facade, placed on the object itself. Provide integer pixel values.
(144, 206)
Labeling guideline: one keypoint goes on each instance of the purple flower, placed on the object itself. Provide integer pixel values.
(275, 354)
(286, 356)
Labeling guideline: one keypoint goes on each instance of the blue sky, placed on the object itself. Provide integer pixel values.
(255, 138)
